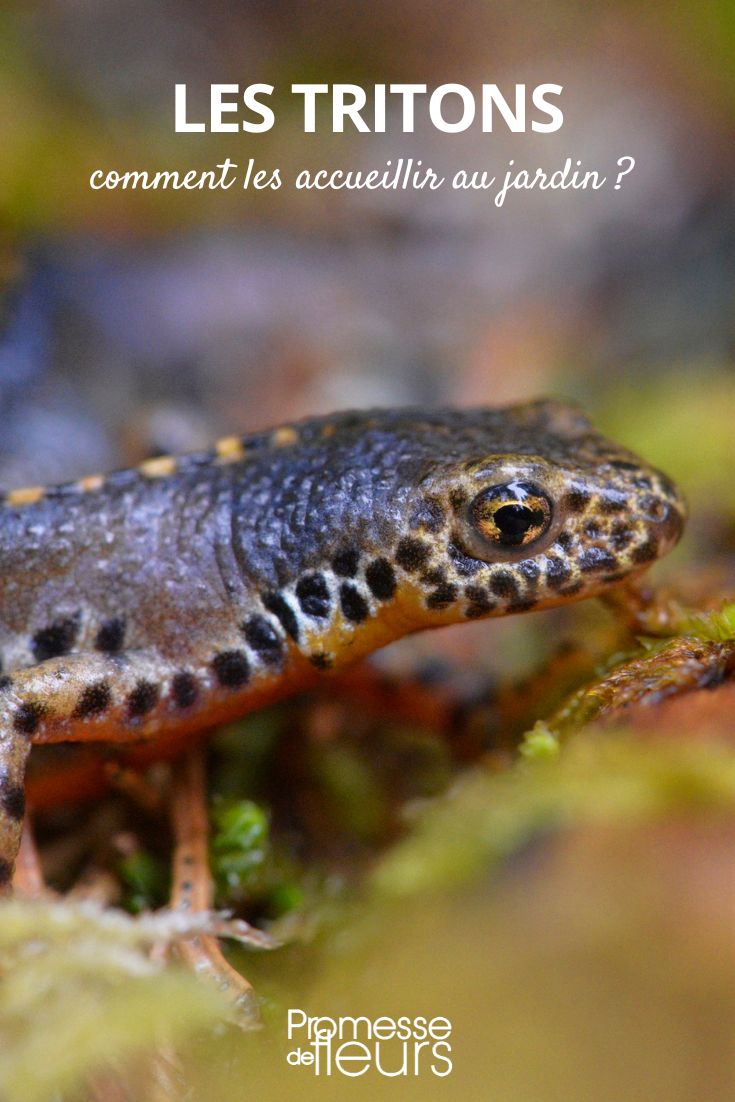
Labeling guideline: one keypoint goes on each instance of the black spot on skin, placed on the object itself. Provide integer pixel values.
(570, 590)
(564, 541)
(5, 681)
(381, 578)
(412, 553)
(479, 602)
(56, 639)
(557, 572)
(231, 668)
(504, 584)
(443, 596)
(596, 558)
(12, 799)
(576, 501)
(28, 717)
(652, 507)
(592, 530)
(434, 577)
(95, 698)
(457, 499)
(313, 595)
(647, 552)
(143, 698)
(346, 562)
(354, 605)
(463, 564)
(620, 535)
(186, 885)
(6, 871)
(321, 660)
(524, 604)
(428, 515)
(283, 612)
(111, 635)
(263, 638)
(184, 689)
(613, 502)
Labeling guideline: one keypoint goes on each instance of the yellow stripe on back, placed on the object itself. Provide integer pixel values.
(90, 483)
(284, 437)
(29, 495)
(159, 467)
(229, 449)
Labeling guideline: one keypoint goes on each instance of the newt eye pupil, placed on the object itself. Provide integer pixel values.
(514, 521)
(512, 515)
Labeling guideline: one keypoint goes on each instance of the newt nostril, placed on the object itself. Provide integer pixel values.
(656, 509)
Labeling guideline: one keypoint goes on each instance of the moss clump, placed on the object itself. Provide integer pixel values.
(612, 779)
(81, 995)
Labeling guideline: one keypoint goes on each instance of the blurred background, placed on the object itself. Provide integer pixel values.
(140, 322)
(133, 323)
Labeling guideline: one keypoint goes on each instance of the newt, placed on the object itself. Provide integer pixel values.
(158, 601)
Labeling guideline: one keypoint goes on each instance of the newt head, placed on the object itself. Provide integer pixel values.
(417, 518)
(558, 512)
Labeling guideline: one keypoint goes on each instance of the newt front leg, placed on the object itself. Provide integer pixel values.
(128, 698)
(78, 696)
(15, 745)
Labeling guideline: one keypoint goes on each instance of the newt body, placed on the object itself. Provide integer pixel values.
(164, 599)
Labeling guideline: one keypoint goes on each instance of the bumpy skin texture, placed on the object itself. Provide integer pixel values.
(167, 598)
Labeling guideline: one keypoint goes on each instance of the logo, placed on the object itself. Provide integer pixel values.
(392, 1047)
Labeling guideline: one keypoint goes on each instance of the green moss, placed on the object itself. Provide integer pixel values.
(240, 846)
(539, 744)
(81, 995)
(715, 627)
(145, 881)
(612, 779)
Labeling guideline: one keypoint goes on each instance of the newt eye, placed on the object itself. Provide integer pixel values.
(513, 515)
